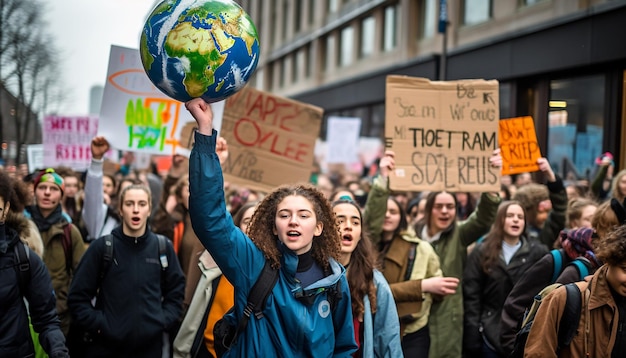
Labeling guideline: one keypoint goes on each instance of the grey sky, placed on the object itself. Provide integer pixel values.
(84, 32)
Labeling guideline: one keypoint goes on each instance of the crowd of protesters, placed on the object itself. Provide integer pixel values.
(140, 264)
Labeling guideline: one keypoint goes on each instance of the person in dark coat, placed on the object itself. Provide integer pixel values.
(35, 287)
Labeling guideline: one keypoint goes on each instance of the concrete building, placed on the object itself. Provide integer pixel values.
(16, 121)
(563, 62)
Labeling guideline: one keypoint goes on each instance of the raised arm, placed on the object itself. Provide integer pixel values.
(376, 204)
(94, 208)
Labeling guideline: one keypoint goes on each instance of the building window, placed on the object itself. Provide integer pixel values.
(576, 125)
(368, 34)
(297, 20)
(312, 4)
(285, 19)
(430, 16)
(283, 72)
(330, 52)
(332, 6)
(308, 61)
(390, 36)
(531, 2)
(347, 39)
(476, 11)
(295, 65)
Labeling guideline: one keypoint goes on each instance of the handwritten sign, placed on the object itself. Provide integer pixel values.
(343, 139)
(518, 142)
(271, 139)
(135, 115)
(443, 134)
(67, 140)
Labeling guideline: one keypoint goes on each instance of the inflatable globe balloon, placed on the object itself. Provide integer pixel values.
(199, 48)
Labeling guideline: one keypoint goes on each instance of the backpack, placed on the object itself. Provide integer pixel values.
(581, 263)
(108, 255)
(568, 325)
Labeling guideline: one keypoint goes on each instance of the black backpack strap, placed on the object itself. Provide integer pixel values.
(163, 251)
(258, 295)
(106, 258)
(571, 316)
(23, 266)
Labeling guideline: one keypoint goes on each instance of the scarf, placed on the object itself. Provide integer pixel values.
(577, 243)
(44, 224)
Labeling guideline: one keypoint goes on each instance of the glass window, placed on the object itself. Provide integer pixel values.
(576, 125)
(505, 100)
(476, 11)
(347, 39)
(283, 72)
(332, 6)
(297, 21)
(285, 19)
(330, 52)
(368, 28)
(531, 2)
(312, 11)
(389, 39)
(308, 61)
(429, 12)
(296, 64)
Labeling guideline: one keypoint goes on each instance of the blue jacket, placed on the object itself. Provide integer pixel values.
(381, 331)
(289, 328)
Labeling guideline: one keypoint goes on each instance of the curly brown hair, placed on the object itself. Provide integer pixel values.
(611, 249)
(325, 246)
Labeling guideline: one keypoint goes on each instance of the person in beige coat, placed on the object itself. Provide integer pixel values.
(601, 330)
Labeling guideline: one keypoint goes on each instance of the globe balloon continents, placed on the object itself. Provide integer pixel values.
(199, 48)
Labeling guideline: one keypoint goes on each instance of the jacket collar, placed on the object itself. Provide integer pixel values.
(600, 290)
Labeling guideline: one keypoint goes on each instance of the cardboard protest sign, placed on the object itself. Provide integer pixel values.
(67, 140)
(135, 115)
(442, 133)
(518, 144)
(343, 139)
(271, 139)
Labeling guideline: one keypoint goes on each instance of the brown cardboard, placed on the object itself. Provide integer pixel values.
(443, 133)
(518, 142)
(271, 139)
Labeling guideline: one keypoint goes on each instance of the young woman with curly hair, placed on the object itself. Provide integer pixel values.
(376, 325)
(492, 269)
(308, 312)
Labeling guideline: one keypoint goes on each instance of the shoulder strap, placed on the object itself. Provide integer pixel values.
(557, 255)
(410, 262)
(258, 295)
(582, 267)
(67, 247)
(23, 266)
(571, 316)
(162, 251)
(106, 258)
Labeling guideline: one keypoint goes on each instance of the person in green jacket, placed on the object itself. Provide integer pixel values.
(450, 240)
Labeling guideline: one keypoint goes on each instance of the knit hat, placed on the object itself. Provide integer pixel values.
(50, 176)
(578, 242)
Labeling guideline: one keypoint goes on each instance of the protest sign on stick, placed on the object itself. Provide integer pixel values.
(271, 139)
(518, 142)
(443, 134)
(67, 140)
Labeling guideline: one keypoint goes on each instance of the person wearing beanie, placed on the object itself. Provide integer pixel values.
(63, 243)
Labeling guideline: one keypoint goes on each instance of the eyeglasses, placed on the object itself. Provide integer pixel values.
(440, 207)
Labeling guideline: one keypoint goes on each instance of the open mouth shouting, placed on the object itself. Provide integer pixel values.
(293, 235)
(346, 239)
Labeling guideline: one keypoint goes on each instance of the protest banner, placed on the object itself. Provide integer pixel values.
(443, 134)
(343, 140)
(67, 140)
(518, 144)
(35, 155)
(135, 115)
(271, 139)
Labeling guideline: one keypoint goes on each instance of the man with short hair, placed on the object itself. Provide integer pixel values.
(63, 243)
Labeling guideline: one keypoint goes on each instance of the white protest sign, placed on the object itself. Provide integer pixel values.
(67, 140)
(35, 157)
(136, 116)
(343, 139)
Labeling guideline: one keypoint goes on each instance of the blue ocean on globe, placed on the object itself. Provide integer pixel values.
(199, 48)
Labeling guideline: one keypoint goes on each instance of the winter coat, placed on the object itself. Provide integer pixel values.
(381, 331)
(289, 327)
(446, 317)
(137, 299)
(15, 338)
(484, 294)
(597, 328)
(54, 258)
(197, 313)
(521, 296)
